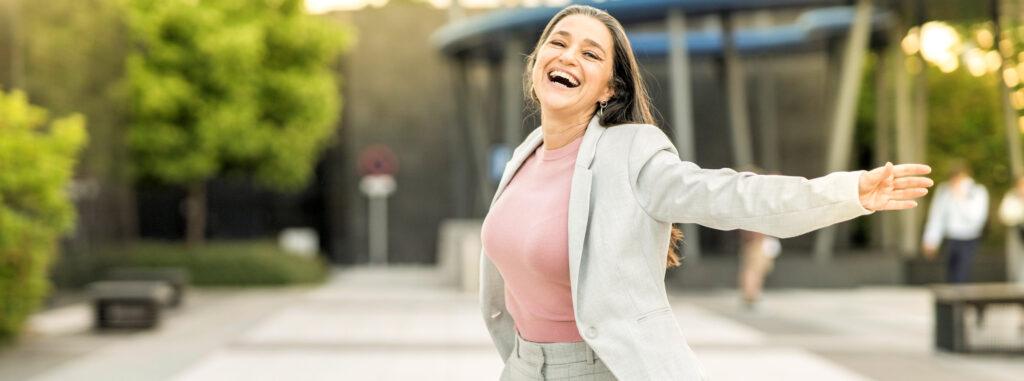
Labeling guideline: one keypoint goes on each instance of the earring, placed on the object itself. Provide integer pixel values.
(600, 112)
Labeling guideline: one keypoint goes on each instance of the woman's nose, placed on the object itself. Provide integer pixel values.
(567, 57)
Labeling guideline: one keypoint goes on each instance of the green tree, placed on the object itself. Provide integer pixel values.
(37, 162)
(229, 87)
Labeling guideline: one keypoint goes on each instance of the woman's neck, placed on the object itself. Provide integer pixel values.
(559, 131)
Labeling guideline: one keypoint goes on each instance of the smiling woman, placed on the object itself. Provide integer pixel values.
(574, 245)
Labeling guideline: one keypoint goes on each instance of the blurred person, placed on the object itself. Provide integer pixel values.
(1011, 214)
(579, 234)
(956, 217)
(757, 259)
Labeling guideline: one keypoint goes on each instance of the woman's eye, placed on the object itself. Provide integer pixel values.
(591, 55)
(558, 44)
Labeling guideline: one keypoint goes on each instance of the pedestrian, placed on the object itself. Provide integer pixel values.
(956, 217)
(757, 259)
(579, 233)
(1011, 214)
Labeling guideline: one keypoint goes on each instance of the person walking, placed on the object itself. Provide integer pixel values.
(957, 215)
(757, 259)
(579, 233)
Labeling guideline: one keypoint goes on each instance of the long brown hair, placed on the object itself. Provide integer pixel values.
(630, 103)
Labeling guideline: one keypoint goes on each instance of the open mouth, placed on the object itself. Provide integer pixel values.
(563, 78)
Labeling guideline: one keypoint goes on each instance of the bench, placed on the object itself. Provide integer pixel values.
(953, 301)
(177, 278)
(129, 304)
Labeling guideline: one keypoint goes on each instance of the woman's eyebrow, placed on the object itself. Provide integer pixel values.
(585, 40)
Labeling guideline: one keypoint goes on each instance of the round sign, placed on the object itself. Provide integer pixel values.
(377, 159)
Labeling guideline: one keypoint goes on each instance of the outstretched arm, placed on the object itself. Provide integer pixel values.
(672, 190)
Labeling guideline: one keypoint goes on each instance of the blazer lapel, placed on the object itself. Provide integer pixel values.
(579, 202)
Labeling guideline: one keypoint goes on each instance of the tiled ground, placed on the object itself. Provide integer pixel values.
(403, 324)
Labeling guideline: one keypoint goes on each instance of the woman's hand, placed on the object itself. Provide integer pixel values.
(894, 187)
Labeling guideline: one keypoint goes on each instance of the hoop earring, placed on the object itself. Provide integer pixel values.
(600, 112)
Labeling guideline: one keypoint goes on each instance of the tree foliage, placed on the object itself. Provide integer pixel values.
(230, 86)
(37, 161)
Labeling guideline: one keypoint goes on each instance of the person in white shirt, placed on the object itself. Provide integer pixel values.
(957, 214)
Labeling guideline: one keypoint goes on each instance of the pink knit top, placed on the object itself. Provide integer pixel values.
(526, 235)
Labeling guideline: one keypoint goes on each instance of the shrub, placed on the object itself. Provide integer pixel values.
(37, 161)
(223, 263)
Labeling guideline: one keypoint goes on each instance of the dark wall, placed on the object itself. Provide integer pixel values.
(397, 92)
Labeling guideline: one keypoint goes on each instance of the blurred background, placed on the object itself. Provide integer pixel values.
(308, 178)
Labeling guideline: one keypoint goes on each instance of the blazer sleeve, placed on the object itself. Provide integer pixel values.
(676, 191)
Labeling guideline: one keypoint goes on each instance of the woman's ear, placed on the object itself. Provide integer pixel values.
(608, 94)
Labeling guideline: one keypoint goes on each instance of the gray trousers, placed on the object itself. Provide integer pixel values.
(554, 361)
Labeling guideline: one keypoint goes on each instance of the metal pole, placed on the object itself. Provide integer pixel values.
(512, 97)
(477, 134)
(458, 158)
(844, 117)
(682, 111)
(883, 222)
(767, 109)
(736, 92)
(768, 115)
(1009, 113)
(378, 230)
(909, 236)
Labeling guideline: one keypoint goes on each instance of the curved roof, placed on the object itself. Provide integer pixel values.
(811, 27)
(477, 31)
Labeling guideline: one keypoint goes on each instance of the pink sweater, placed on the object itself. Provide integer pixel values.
(526, 235)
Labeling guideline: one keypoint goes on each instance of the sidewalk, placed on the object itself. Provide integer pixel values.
(404, 324)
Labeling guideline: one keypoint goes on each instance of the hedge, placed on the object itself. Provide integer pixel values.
(218, 263)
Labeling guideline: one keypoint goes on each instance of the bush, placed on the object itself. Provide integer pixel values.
(37, 160)
(225, 263)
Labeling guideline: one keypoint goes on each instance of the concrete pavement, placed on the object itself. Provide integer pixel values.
(405, 324)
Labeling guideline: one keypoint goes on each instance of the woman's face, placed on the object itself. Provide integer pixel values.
(573, 67)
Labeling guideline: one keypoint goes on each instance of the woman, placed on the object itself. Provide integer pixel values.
(574, 259)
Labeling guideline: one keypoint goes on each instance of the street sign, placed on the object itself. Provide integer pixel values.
(377, 159)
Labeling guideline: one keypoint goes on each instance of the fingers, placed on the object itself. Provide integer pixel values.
(899, 205)
(909, 194)
(901, 170)
(912, 182)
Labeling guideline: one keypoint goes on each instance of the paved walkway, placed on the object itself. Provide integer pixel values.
(404, 324)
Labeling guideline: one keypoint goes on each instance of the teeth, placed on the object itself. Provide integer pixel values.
(567, 76)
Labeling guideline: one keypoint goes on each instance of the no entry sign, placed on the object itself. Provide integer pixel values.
(377, 159)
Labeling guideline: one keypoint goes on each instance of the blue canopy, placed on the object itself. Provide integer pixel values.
(479, 30)
(811, 27)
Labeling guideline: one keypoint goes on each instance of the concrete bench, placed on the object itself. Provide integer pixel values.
(129, 304)
(953, 301)
(177, 278)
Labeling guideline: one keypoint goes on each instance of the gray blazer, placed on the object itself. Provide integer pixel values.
(628, 186)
